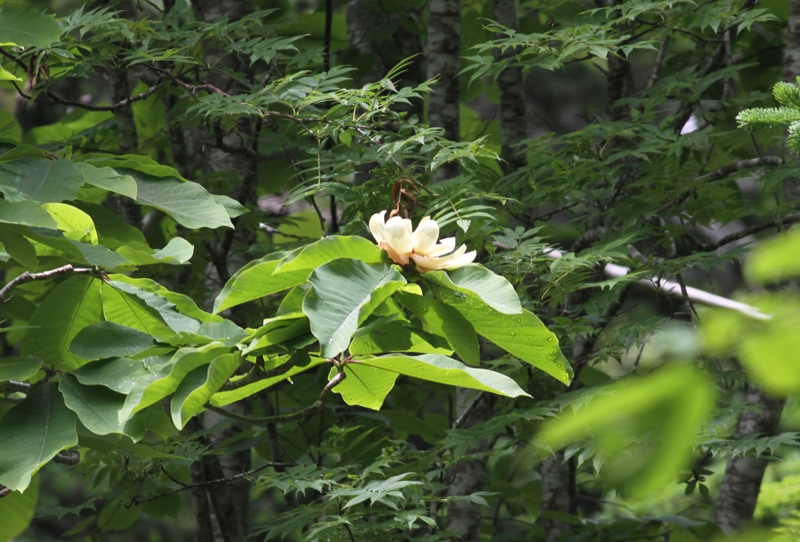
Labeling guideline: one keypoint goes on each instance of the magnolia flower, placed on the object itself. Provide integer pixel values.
(398, 238)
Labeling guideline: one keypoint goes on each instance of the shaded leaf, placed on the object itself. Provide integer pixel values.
(109, 340)
(364, 386)
(98, 408)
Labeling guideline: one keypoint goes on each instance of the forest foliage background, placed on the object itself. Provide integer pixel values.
(201, 341)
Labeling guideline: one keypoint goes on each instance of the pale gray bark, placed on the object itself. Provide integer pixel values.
(442, 55)
(512, 94)
(791, 70)
(554, 473)
(738, 492)
(468, 475)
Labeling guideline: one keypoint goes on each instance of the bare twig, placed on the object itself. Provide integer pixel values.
(742, 164)
(662, 50)
(470, 406)
(44, 275)
(135, 501)
(735, 236)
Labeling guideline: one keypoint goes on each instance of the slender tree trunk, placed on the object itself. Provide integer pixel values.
(791, 70)
(512, 94)
(468, 475)
(741, 484)
(442, 52)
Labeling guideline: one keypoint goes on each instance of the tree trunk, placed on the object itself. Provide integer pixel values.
(468, 475)
(512, 94)
(791, 70)
(741, 484)
(554, 473)
(442, 52)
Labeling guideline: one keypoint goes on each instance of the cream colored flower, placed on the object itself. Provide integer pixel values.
(398, 238)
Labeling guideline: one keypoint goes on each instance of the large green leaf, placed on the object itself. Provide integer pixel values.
(108, 179)
(199, 385)
(26, 27)
(16, 511)
(43, 181)
(364, 386)
(177, 252)
(187, 202)
(75, 224)
(438, 368)
(343, 293)
(19, 248)
(644, 427)
(155, 387)
(477, 282)
(445, 321)
(117, 374)
(129, 310)
(17, 368)
(26, 213)
(136, 162)
(277, 330)
(98, 408)
(300, 362)
(281, 271)
(396, 337)
(32, 433)
(159, 307)
(109, 340)
(183, 304)
(522, 335)
(67, 309)
(112, 231)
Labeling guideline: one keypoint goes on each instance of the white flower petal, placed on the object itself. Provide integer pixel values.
(445, 245)
(398, 236)
(377, 226)
(462, 260)
(425, 236)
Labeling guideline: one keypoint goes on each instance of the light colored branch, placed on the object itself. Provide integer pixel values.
(673, 288)
(44, 275)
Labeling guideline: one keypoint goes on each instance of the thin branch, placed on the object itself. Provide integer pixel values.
(72, 103)
(284, 418)
(670, 287)
(735, 236)
(742, 164)
(44, 275)
(262, 466)
(662, 50)
(467, 410)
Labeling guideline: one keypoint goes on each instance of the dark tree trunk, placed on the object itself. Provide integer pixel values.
(512, 94)
(741, 484)
(442, 55)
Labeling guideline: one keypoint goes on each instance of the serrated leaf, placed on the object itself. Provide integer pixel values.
(644, 427)
(32, 433)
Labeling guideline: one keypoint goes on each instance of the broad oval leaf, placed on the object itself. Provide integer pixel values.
(476, 281)
(26, 27)
(43, 181)
(364, 386)
(199, 385)
(18, 368)
(281, 271)
(396, 337)
(98, 408)
(26, 213)
(117, 374)
(109, 340)
(523, 335)
(438, 368)
(19, 248)
(32, 433)
(69, 307)
(343, 293)
(300, 363)
(16, 511)
(445, 321)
